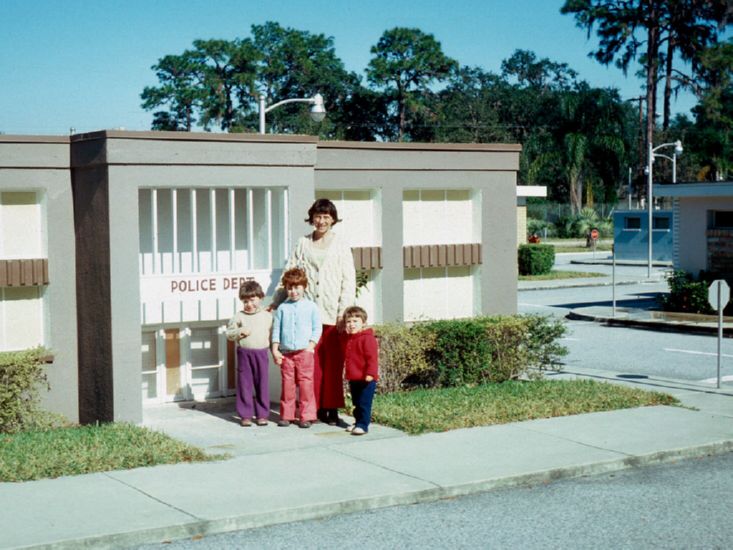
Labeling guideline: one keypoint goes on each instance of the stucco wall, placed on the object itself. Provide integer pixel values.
(42, 164)
(693, 226)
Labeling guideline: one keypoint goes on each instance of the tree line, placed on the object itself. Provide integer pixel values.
(577, 139)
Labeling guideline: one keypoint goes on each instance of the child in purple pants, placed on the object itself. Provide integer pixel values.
(251, 329)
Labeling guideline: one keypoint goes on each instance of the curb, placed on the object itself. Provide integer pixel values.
(583, 284)
(662, 326)
(249, 521)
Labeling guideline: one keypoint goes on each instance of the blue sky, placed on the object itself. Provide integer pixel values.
(83, 63)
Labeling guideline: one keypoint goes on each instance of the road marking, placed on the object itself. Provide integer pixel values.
(692, 352)
(536, 305)
(728, 378)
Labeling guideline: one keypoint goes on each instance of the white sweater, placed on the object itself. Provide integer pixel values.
(333, 286)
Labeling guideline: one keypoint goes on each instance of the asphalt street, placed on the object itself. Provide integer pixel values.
(683, 505)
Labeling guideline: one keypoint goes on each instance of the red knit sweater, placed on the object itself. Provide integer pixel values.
(361, 355)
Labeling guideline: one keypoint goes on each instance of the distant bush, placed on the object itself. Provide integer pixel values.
(542, 228)
(686, 294)
(462, 352)
(22, 376)
(535, 259)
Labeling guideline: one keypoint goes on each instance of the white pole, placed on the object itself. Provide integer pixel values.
(613, 278)
(650, 200)
(720, 325)
(262, 113)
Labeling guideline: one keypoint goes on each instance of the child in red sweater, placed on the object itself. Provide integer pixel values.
(361, 362)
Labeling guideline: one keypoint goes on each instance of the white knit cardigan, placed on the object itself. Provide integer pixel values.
(333, 286)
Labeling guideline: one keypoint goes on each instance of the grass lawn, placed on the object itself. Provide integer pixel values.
(85, 449)
(599, 248)
(438, 410)
(559, 274)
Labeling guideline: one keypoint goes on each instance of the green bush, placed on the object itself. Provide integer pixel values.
(686, 294)
(535, 259)
(403, 360)
(461, 351)
(21, 377)
(541, 228)
(468, 351)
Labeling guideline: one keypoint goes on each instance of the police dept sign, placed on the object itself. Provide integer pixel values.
(180, 298)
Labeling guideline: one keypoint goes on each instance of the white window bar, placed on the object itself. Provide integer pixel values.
(154, 226)
(268, 196)
(250, 229)
(232, 232)
(160, 362)
(286, 225)
(212, 210)
(194, 235)
(174, 218)
(222, 341)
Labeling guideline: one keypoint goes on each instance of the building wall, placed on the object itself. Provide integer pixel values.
(693, 240)
(111, 311)
(41, 165)
(631, 240)
(488, 171)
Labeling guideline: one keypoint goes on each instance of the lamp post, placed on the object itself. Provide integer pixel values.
(649, 169)
(318, 109)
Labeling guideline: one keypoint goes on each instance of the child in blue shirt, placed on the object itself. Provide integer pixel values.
(296, 330)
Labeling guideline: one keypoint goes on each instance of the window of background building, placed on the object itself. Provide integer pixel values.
(722, 219)
(661, 223)
(632, 222)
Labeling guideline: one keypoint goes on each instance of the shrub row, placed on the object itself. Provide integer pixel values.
(535, 259)
(22, 376)
(467, 351)
(689, 294)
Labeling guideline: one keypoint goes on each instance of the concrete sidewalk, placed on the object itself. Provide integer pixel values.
(286, 474)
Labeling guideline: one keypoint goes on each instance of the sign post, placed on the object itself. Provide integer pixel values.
(594, 237)
(718, 296)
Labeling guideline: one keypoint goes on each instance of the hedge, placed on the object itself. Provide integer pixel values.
(22, 376)
(468, 351)
(535, 259)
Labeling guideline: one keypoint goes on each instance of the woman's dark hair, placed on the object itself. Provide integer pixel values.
(323, 206)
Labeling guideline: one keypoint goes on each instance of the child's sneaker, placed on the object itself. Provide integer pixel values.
(350, 428)
(358, 431)
(304, 424)
(245, 422)
(261, 422)
(283, 423)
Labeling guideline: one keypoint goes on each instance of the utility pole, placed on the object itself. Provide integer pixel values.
(641, 163)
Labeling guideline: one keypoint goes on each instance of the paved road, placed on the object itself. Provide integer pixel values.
(685, 505)
(630, 351)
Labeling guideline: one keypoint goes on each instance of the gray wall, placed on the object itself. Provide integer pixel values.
(392, 168)
(42, 164)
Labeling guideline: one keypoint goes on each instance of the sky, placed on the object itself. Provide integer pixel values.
(82, 64)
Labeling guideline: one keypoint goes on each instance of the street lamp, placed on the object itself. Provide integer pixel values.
(318, 109)
(649, 169)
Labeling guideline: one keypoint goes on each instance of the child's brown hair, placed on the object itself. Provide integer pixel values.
(294, 277)
(250, 289)
(355, 311)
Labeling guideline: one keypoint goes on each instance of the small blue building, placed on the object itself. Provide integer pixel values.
(631, 237)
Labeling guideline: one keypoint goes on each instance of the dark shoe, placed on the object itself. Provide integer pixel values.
(322, 415)
(304, 424)
(341, 423)
(283, 423)
(332, 417)
(245, 422)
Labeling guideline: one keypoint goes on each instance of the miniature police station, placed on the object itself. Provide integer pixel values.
(123, 252)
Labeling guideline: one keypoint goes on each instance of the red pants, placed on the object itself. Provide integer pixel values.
(329, 370)
(297, 371)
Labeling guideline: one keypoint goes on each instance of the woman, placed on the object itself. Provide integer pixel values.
(326, 258)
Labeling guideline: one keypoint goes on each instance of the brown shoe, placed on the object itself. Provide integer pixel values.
(261, 422)
(245, 422)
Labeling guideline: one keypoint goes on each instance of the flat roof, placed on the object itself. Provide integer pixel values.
(702, 189)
